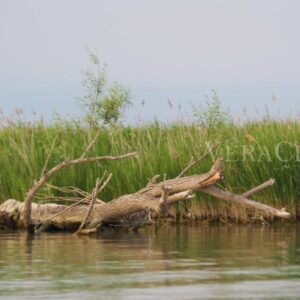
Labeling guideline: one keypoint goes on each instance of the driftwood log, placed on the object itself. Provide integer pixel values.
(127, 210)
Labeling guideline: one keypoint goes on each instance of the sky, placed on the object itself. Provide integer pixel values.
(248, 51)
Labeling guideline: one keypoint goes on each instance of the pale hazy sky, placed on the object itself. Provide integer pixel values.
(168, 49)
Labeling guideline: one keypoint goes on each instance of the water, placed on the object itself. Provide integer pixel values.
(227, 262)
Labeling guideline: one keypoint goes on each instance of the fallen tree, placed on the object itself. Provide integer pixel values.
(128, 210)
(88, 214)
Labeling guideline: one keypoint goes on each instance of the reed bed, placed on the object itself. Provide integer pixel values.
(253, 152)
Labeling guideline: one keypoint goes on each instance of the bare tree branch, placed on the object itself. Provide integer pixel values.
(49, 155)
(88, 213)
(259, 188)
(194, 160)
(96, 191)
(241, 200)
(34, 189)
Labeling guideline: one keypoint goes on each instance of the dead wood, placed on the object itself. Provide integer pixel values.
(189, 182)
(134, 207)
(89, 211)
(152, 181)
(241, 200)
(195, 159)
(96, 190)
(76, 194)
(259, 188)
(34, 189)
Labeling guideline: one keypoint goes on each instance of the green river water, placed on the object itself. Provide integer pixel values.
(171, 262)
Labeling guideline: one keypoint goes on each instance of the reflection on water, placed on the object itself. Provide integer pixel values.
(180, 262)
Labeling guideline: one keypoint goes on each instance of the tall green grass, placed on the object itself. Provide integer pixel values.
(163, 149)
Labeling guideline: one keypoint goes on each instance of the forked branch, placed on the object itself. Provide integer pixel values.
(34, 189)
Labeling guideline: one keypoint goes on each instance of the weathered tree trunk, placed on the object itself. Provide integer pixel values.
(153, 198)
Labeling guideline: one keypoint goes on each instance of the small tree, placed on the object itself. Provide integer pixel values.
(213, 115)
(216, 120)
(102, 103)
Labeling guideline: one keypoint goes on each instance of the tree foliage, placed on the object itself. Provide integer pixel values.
(103, 103)
(213, 116)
